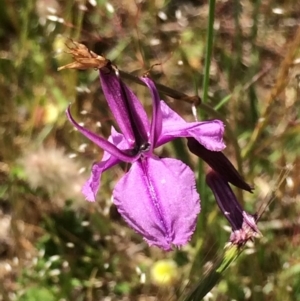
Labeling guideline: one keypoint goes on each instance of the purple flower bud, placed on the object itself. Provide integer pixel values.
(243, 224)
(220, 163)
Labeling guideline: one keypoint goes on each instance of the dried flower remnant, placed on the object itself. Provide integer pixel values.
(243, 225)
(156, 197)
(84, 58)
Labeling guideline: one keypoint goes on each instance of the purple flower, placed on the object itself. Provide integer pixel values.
(156, 197)
(243, 224)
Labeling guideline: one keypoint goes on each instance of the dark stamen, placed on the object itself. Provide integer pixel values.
(136, 124)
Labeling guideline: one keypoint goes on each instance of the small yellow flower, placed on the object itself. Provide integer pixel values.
(51, 113)
(164, 272)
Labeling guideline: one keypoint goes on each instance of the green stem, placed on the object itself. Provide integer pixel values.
(205, 285)
(201, 182)
(209, 47)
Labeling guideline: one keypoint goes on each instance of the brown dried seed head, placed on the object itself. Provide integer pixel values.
(84, 58)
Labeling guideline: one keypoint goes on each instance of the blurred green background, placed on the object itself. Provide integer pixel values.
(56, 246)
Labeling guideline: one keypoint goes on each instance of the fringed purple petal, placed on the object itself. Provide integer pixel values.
(126, 108)
(156, 122)
(158, 199)
(208, 133)
(92, 185)
(218, 162)
(101, 142)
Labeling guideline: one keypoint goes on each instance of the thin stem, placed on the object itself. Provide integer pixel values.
(194, 100)
(208, 54)
(209, 46)
(201, 184)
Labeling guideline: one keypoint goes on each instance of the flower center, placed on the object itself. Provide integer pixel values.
(144, 147)
(141, 149)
